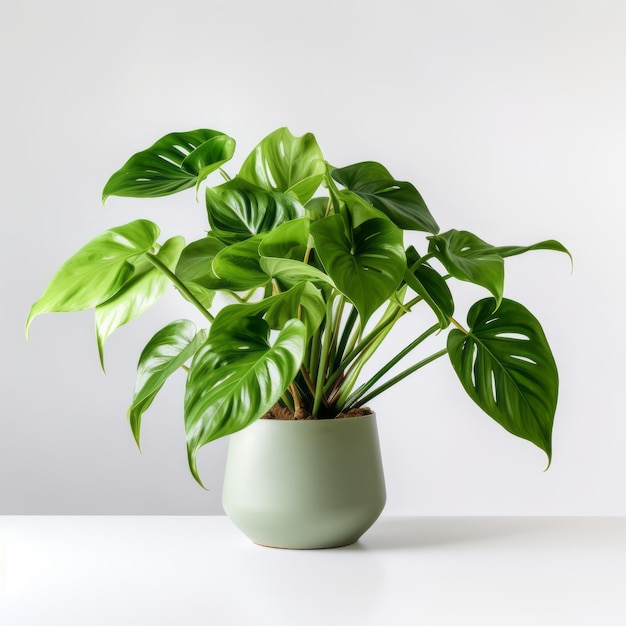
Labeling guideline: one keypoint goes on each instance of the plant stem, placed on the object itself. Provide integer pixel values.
(396, 359)
(225, 176)
(179, 285)
(361, 346)
(402, 375)
(345, 335)
(463, 330)
(323, 359)
(286, 398)
(296, 398)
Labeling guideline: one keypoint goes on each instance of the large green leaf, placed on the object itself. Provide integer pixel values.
(400, 201)
(283, 162)
(238, 209)
(471, 259)
(175, 162)
(366, 267)
(239, 266)
(163, 355)
(145, 287)
(97, 271)
(236, 377)
(506, 366)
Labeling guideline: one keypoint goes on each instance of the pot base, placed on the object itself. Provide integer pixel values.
(305, 485)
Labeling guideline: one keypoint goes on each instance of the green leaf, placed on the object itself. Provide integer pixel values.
(236, 377)
(550, 244)
(209, 157)
(97, 271)
(399, 201)
(195, 266)
(431, 286)
(366, 267)
(238, 209)
(506, 366)
(471, 259)
(239, 265)
(291, 272)
(163, 355)
(286, 163)
(288, 241)
(303, 301)
(175, 162)
(145, 287)
(316, 208)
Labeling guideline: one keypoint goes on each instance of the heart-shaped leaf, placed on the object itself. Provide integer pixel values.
(163, 355)
(471, 259)
(144, 288)
(400, 201)
(506, 366)
(97, 271)
(283, 162)
(175, 162)
(368, 267)
(237, 210)
(236, 377)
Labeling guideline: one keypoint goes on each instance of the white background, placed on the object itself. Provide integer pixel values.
(509, 117)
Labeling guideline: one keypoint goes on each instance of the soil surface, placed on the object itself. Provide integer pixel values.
(278, 412)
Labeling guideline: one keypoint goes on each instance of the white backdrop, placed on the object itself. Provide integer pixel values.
(509, 116)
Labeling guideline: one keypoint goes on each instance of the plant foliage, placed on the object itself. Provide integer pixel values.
(314, 273)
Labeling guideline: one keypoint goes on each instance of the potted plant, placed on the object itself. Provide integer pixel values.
(313, 273)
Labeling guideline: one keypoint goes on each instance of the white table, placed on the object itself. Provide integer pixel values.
(93, 571)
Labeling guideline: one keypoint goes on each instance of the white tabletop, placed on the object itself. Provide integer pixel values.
(157, 571)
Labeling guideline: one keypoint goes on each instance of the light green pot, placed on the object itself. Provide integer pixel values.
(305, 484)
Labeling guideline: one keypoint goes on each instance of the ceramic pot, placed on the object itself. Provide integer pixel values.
(305, 484)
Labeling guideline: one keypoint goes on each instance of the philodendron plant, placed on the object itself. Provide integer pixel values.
(314, 274)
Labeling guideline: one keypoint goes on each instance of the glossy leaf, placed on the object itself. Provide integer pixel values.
(163, 355)
(97, 271)
(399, 201)
(236, 377)
(283, 162)
(195, 265)
(431, 286)
(288, 241)
(209, 157)
(145, 287)
(303, 301)
(239, 265)
(175, 162)
(550, 244)
(291, 272)
(471, 259)
(506, 366)
(366, 269)
(238, 209)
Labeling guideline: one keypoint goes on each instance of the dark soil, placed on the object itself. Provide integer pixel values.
(278, 412)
